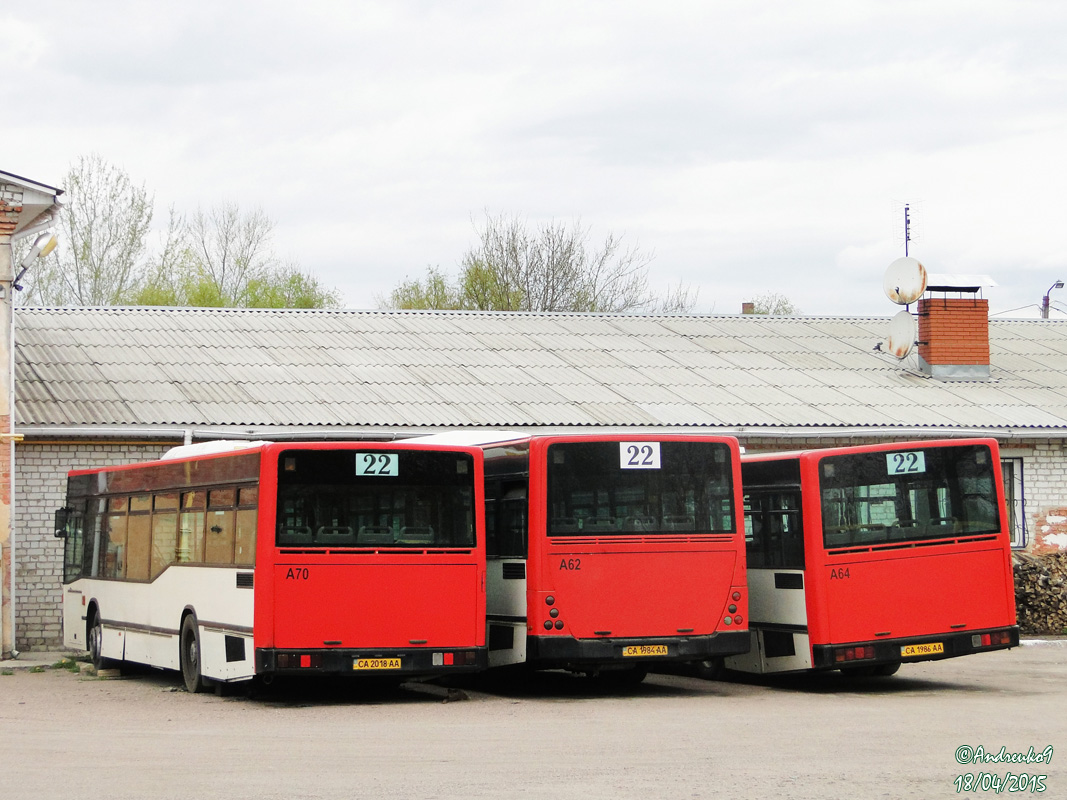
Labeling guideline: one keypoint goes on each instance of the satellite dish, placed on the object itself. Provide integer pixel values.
(902, 334)
(905, 281)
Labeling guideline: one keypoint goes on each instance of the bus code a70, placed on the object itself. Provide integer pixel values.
(229, 563)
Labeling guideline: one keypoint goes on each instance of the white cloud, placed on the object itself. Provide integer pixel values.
(752, 146)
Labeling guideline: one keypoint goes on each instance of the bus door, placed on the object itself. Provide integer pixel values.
(774, 539)
(506, 543)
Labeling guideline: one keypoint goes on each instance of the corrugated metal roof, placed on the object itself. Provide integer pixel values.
(79, 368)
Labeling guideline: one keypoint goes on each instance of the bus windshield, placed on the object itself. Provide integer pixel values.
(908, 495)
(375, 498)
(605, 488)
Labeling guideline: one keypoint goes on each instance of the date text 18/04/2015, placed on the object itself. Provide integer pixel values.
(1009, 782)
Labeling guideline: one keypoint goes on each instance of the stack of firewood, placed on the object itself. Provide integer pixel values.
(1041, 592)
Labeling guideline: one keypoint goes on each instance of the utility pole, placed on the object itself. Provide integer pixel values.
(26, 208)
(1045, 300)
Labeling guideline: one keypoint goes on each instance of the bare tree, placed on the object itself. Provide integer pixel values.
(680, 299)
(223, 258)
(102, 239)
(231, 248)
(549, 267)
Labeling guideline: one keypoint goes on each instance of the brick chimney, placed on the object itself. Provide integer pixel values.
(954, 338)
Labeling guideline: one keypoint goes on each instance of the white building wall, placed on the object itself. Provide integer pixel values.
(1045, 488)
(40, 488)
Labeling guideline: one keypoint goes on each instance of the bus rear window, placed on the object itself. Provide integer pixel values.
(909, 495)
(400, 499)
(608, 488)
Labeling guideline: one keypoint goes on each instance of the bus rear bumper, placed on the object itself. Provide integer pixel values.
(565, 651)
(916, 648)
(378, 663)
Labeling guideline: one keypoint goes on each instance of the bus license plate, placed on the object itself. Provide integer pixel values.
(931, 649)
(376, 663)
(645, 650)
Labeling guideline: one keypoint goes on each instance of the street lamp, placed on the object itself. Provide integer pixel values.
(1044, 300)
(42, 246)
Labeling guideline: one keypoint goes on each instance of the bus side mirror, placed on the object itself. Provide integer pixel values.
(62, 519)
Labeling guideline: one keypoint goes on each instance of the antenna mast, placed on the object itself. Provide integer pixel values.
(907, 228)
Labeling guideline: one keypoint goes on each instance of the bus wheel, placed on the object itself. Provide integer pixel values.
(96, 642)
(190, 655)
(885, 670)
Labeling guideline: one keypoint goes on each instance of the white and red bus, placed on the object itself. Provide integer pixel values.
(610, 554)
(358, 558)
(864, 558)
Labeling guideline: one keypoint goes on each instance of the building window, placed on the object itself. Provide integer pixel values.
(1012, 469)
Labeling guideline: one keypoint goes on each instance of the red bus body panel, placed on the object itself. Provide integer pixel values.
(358, 599)
(893, 592)
(645, 591)
(376, 601)
(901, 595)
(633, 586)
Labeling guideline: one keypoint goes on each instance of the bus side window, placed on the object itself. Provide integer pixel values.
(244, 545)
(220, 526)
(774, 534)
(138, 538)
(505, 519)
(191, 528)
(491, 507)
(513, 524)
(164, 531)
(115, 547)
(73, 546)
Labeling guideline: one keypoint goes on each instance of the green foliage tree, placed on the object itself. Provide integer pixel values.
(219, 257)
(550, 267)
(774, 304)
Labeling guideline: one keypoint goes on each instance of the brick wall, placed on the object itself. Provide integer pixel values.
(10, 208)
(954, 330)
(40, 488)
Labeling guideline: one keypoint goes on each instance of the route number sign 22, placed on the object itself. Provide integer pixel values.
(639, 455)
(910, 463)
(378, 464)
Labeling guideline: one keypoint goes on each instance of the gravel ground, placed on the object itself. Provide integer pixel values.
(551, 735)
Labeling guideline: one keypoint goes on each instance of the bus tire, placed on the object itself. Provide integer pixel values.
(95, 641)
(190, 655)
(885, 670)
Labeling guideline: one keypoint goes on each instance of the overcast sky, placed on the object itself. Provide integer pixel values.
(750, 146)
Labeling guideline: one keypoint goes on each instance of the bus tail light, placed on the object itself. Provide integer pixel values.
(463, 658)
(988, 639)
(842, 654)
(299, 660)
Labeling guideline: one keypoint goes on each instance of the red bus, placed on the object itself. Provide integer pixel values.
(609, 554)
(864, 558)
(353, 558)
